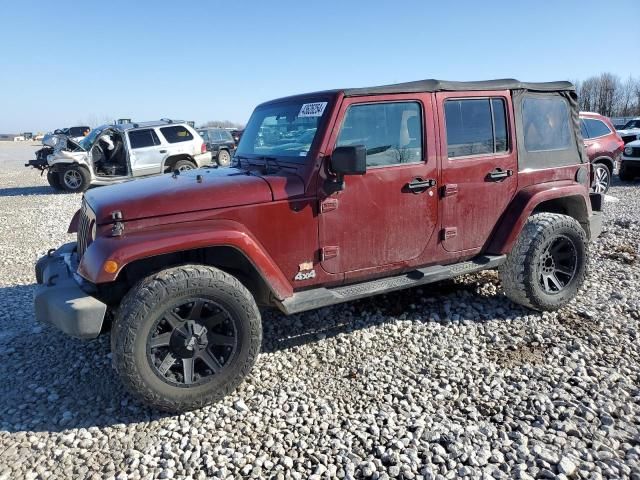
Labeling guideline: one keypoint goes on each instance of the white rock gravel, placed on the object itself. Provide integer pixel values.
(450, 380)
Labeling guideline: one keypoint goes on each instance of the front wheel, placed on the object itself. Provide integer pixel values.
(186, 337)
(75, 178)
(601, 178)
(548, 263)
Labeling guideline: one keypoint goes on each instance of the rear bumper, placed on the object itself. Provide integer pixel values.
(59, 299)
(203, 159)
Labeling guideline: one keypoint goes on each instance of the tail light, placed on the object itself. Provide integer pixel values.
(203, 148)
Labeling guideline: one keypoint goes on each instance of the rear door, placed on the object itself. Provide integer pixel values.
(144, 156)
(479, 165)
(388, 215)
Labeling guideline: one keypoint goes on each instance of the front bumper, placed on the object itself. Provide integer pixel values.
(59, 299)
(624, 158)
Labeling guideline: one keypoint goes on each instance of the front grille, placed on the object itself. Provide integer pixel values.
(635, 152)
(85, 225)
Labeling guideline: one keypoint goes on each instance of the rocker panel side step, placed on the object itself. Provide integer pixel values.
(322, 297)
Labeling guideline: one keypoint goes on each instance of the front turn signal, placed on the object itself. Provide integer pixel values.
(110, 266)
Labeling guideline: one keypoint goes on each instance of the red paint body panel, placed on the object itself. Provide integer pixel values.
(170, 238)
(524, 203)
(166, 195)
(478, 204)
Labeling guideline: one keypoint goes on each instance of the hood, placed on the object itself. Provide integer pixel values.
(168, 195)
(635, 143)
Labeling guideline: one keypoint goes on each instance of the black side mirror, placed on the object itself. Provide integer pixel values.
(350, 160)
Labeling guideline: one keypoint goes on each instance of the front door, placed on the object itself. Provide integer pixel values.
(386, 216)
(479, 165)
(144, 155)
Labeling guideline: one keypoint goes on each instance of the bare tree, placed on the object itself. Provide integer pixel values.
(607, 95)
(222, 124)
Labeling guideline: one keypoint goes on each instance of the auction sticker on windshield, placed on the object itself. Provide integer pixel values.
(312, 109)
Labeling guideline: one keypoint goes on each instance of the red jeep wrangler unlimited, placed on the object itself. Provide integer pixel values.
(334, 196)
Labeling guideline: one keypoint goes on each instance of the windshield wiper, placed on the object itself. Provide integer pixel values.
(266, 164)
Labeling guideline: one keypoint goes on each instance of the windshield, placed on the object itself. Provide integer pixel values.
(283, 130)
(87, 141)
(632, 124)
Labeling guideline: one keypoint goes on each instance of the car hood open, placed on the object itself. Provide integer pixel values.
(190, 191)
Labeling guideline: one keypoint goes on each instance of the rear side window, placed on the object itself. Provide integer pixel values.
(391, 132)
(143, 138)
(476, 127)
(176, 134)
(596, 128)
(546, 124)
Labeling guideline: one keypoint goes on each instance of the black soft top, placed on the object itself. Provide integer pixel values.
(432, 85)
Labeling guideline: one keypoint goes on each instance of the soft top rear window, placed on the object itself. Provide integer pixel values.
(546, 124)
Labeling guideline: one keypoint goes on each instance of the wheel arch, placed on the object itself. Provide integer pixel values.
(223, 244)
(606, 161)
(567, 198)
(170, 161)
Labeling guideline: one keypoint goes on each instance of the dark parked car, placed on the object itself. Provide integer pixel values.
(220, 143)
(237, 135)
(603, 146)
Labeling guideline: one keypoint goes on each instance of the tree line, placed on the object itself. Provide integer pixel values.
(610, 96)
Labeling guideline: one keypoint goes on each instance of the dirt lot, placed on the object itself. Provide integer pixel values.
(449, 380)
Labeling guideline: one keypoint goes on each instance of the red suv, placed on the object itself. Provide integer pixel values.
(351, 193)
(604, 147)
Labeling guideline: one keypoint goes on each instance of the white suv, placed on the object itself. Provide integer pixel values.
(113, 153)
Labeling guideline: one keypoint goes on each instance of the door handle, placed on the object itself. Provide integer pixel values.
(418, 185)
(162, 151)
(498, 174)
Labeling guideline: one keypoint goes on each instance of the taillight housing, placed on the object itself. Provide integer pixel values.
(203, 148)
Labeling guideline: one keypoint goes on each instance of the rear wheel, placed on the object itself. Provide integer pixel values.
(186, 337)
(184, 165)
(601, 178)
(75, 178)
(548, 263)
(54, 180)
(224, 158)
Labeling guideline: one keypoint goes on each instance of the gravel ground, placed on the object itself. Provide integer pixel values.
(446, 381)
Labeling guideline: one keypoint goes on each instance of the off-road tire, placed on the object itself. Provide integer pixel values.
(54, 180)
(183, 165)
(626, 174)
(148, 299)
(79, 173)
(224, 158)
(519, 275)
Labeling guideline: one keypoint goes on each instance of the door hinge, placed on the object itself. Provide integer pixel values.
(328, 204)
(449, 232)
(450, 190)
(328, 252)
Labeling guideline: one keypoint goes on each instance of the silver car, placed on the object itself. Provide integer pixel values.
(114, 153)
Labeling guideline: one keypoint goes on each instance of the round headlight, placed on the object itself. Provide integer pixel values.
(628, 150)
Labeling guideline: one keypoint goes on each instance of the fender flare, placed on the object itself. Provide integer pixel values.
(162, 239)
(523, 205)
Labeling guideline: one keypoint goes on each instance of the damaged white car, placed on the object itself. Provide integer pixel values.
(114, 153)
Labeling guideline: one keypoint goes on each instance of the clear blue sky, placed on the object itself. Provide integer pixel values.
(63, 62)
